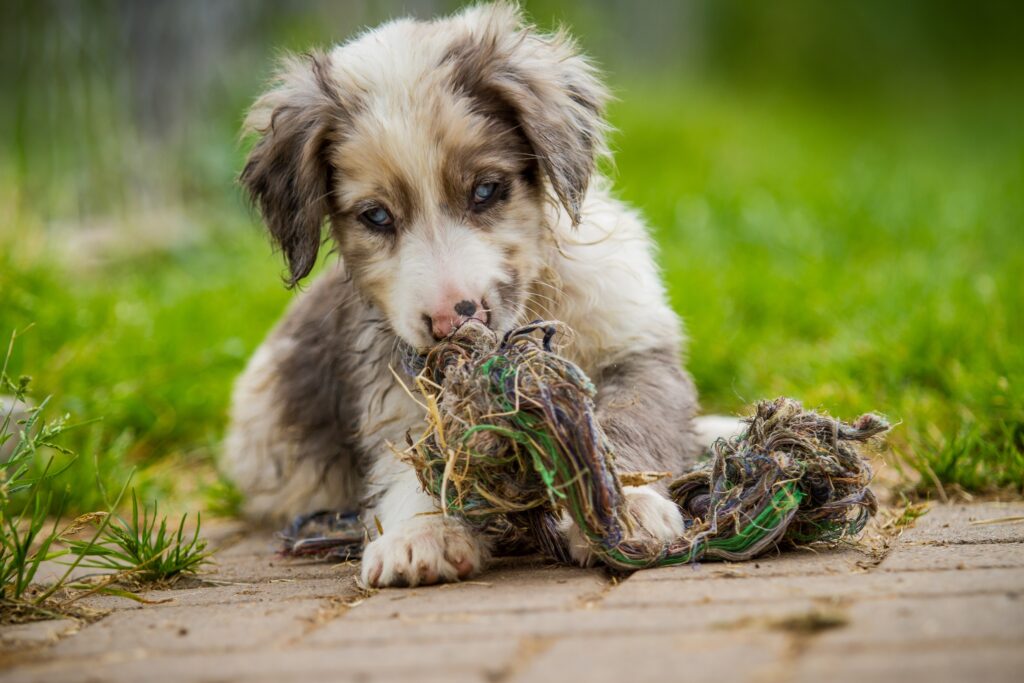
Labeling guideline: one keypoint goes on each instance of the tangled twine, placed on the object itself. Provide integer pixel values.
(511, 432)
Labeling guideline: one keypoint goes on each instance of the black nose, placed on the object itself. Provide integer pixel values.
(465, 308)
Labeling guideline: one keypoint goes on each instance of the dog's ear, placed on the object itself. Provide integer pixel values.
(287, 173)
(553, 94)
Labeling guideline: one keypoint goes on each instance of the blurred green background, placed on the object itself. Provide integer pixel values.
(837, 189)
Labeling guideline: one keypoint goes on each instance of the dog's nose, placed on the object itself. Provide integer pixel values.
(446, 320)
(466, 308)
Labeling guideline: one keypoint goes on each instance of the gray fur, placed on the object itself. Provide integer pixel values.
(646, 404)
(319, 385)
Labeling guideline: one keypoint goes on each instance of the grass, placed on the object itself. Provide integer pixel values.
(34, 493)
(25, 508)
(857, 256)
(144, 547)
(150, 343)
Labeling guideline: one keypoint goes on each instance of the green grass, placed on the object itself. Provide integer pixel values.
(150, 344)
(27, 538)
(856, 257)
(35, 488)
(144, 547)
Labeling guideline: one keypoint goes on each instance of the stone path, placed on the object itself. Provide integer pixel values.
(943, 601)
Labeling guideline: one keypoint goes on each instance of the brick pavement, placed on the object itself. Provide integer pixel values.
(943, 601)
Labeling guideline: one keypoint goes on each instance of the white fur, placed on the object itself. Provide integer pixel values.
(423, 550)
(711, 428)
(604, 269)
(438, 269)
(604, 273)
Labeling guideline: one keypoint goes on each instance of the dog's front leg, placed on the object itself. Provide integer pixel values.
(646, 405)
(418, 546)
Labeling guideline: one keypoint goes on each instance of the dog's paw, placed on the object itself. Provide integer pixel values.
(650, 514)
(422, 551)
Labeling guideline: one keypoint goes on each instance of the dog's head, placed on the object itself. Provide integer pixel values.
(432, 149)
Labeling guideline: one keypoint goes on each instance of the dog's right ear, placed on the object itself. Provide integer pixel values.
(543, 85)
(287, 173)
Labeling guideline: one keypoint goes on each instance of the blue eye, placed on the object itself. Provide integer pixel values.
(377, 216)
(484, 191)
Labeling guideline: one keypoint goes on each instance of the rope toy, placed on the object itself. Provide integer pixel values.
(512, 436)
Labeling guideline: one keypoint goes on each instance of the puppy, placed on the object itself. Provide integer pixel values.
(453, 162)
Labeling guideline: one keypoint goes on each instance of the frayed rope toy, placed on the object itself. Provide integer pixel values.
(512, 436)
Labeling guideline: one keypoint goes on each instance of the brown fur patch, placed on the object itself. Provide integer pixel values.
(545, 88)
(287, 173)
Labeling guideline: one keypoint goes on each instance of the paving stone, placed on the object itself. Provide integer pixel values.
(976, 556)
(219, 530)
(958, 621)
(944, 605)
(956, 664)
(52, 571)
(189, 629)
(692, 657)
(238, 543)
(274, 590)
(36, 633)
(429, 677)
(472, 626)
(953, 524)
(449, 661)
(863, 586)
(515, 589)
(263, 565)
(798, 562)
(256, 568)
(418, 676)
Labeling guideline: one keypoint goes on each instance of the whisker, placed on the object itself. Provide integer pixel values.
(554, 302)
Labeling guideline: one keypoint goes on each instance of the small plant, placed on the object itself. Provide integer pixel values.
(141, 550)
(26, 538)
(24, 543)
(144, 547)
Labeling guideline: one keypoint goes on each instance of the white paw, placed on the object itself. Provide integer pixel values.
(650, 514)
(422, 551)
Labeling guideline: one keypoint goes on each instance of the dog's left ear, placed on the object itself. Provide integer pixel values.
(554, 95)
(287, 174)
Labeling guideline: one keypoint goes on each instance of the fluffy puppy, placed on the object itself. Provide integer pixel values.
(453, 162)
